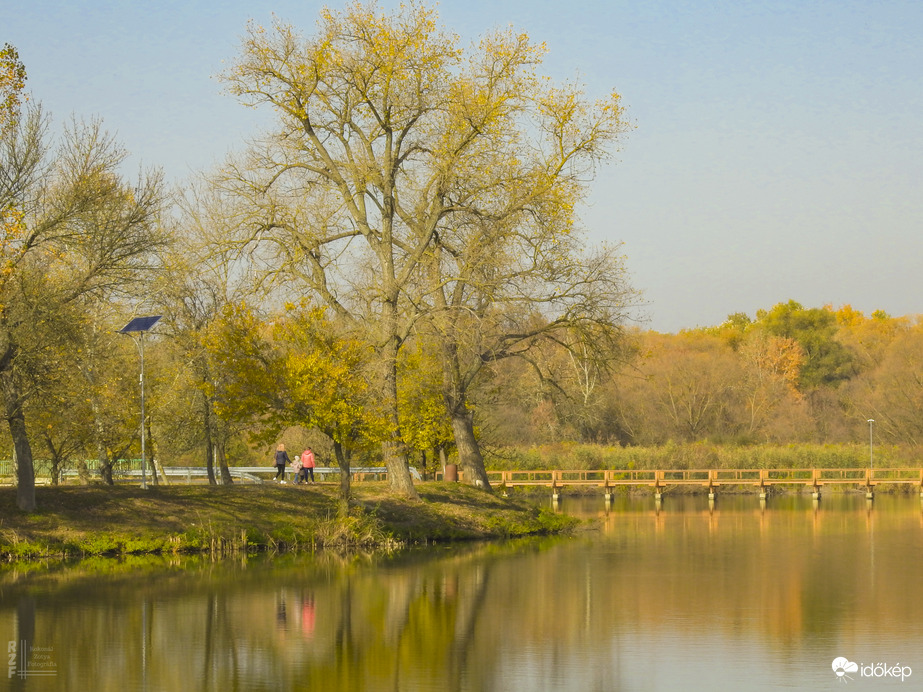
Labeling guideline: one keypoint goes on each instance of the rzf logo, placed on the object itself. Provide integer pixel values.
(11, 654)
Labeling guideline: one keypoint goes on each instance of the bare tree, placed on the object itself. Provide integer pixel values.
(201, 278)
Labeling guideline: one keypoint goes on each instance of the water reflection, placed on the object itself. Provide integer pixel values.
(734, 596)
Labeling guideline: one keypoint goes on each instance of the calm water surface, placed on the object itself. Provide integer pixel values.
(730, 598)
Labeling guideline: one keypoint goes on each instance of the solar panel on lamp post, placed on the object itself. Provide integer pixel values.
(140, 325)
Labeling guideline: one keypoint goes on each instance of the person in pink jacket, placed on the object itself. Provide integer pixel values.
(307, 464)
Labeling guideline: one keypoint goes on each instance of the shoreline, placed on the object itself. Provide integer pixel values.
(82, 521)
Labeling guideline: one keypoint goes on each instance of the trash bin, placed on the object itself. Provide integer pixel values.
(450, 474)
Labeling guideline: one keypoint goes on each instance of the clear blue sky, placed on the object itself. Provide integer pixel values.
(778, 152)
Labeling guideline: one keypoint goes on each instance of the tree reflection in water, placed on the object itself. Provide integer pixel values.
(776, 589)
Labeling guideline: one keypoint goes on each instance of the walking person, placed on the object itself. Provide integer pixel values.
(296, 469)
(307, 464)
(282, 461)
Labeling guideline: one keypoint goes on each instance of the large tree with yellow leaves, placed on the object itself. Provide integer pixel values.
(391, 144)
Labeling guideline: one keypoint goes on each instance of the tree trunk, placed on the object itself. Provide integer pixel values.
(469, 452)
(345, 491)
(25, 469)
(55, 459)
(208, 428)
(105, 465)
(454, 392)
(22, 450)
(102, 454)
(149, 452)
(393, 450)
(221, 446)
(83, 473)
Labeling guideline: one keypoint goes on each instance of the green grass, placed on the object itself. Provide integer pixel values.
(126, 520)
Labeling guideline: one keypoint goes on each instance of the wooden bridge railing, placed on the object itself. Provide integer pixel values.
(707, 477)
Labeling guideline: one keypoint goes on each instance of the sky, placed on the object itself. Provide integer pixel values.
(776, 153)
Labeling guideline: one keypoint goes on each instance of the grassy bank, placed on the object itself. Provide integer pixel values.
(121, 520)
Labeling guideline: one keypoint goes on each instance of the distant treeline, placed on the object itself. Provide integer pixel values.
(791, 375)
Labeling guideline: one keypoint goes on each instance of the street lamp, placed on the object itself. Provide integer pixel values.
(140, 325)
(868, 488)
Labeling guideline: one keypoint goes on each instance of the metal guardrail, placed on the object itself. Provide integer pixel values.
(254, 474)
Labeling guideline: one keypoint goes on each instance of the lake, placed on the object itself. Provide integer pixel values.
(730, 597)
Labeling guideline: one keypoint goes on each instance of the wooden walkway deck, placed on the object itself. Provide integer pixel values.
(712, 479)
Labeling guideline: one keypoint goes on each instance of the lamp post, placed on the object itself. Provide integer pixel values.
(139, 325)
(868, 491)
